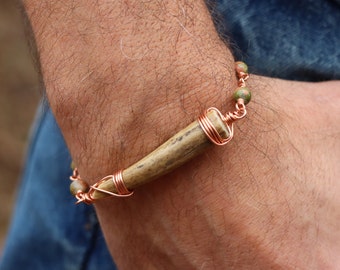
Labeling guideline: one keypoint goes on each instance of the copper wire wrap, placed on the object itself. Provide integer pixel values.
(117, 180)
(211, 131)
(228, 119)
(242, 77)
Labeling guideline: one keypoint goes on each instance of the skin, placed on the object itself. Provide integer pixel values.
(123, 76)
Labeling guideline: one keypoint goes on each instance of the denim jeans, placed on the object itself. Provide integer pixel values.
(48, 231)
(296, 40)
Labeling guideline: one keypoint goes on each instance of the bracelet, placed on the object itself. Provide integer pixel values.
(212, 127)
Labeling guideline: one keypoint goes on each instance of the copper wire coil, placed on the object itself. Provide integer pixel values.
(211, 132)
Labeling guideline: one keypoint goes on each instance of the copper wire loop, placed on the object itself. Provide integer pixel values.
(117, 180)
(75, 175)
(211, 132)
(84, 197)
(228, 119)
(242, 77)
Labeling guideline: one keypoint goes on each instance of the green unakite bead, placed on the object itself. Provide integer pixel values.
(73, 165)
(242, 93)
(241, 67)
(79, 185)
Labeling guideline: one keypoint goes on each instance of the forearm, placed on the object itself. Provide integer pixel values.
(129, 59)
(124, 77)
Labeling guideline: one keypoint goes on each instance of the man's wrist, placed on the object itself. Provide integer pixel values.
(135, 84)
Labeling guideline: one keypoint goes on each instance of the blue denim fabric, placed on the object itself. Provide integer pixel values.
(297, 40)
(48, 231)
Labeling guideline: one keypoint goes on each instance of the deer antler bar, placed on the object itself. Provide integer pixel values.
(211, 127)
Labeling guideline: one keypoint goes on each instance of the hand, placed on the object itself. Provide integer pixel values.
(267, 200)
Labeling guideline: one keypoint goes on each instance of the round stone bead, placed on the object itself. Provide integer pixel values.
(243, 93)
(73, 165)
(241, 67)
(79, 185)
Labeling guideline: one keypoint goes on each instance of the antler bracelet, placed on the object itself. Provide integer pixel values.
(211, 127)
